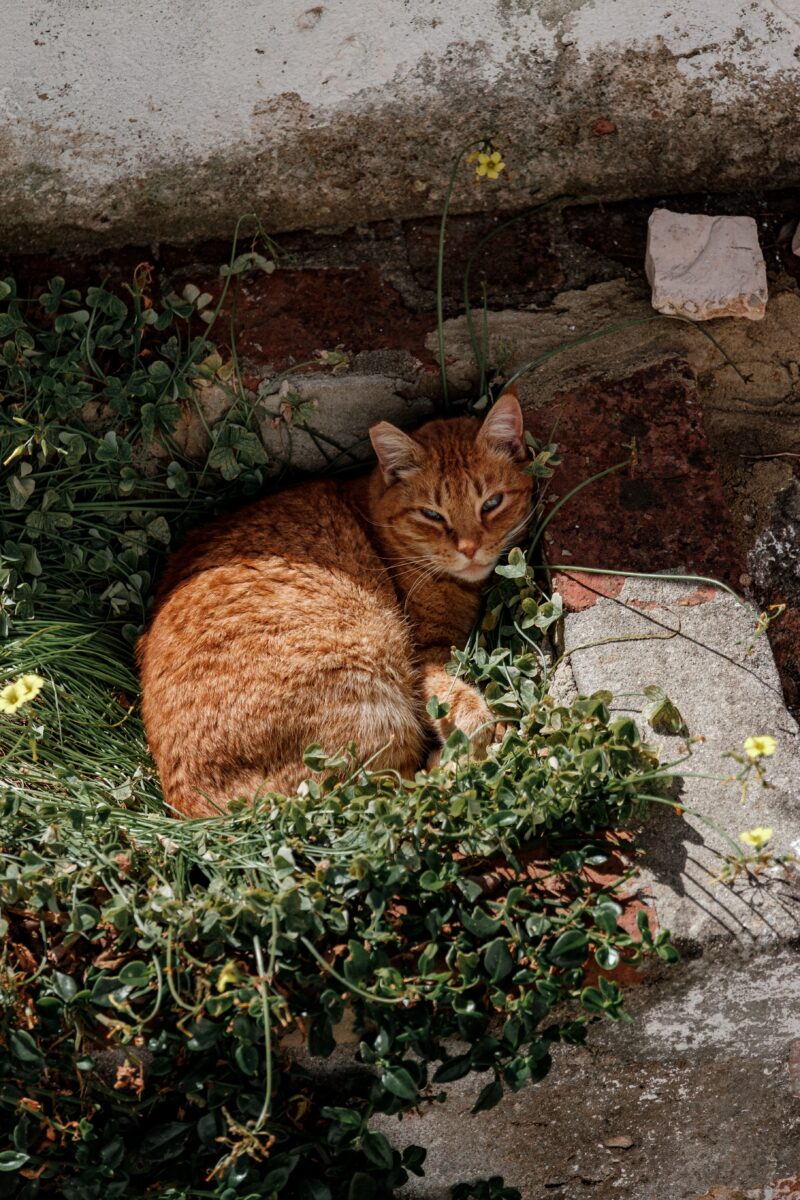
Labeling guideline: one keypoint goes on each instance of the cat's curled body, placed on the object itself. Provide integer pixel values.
(327, 613)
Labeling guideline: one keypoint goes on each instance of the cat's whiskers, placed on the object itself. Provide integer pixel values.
(425, 577)
(410, 566)
(411, 561)
(508, 540)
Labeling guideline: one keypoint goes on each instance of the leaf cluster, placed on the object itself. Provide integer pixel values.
(92, 389)
(157, 977)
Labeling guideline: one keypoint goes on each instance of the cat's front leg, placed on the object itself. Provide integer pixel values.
(467, 711)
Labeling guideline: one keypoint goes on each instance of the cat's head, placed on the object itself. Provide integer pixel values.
(455, 494)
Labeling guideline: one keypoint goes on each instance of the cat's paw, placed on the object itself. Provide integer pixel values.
(470, 713)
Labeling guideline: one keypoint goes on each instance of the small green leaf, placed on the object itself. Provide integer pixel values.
(662, 713)
(429, 881)
(64, 985)
(377, 1149)
(400, 1083)
(247, 1058)
(569, 950)
(607, 957)
(436, 708)
(24, 1048)
(491, 1095)
(454, 1068)
(12, 1160)
(497, 960)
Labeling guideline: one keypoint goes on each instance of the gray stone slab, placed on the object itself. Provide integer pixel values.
(699, 1083)
(727, 688)
(343, 408)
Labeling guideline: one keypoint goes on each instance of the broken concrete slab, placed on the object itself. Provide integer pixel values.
(312, 422)
(704, 652)
(704, 267)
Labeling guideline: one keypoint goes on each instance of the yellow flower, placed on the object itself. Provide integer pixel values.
(760, 747)
(15, 694)
(757, 838)
(230, 975)
(490, 165)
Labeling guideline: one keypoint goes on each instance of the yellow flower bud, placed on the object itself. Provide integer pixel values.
(757, 838)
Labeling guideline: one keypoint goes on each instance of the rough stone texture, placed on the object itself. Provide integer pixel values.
(698, 1084)
(636, 519)
(343, 408)
(700, 654)
(705, 267)
(774, 564)
(775, 558)
(609, 331)
(163, 121)
(325, 425)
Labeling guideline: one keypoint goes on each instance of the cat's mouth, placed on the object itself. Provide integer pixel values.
(474, 571)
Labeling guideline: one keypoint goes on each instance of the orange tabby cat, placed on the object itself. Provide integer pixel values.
(326, 613)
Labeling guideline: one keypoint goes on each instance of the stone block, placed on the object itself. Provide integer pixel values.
(701, 648)
(332, 415)
(704, 267)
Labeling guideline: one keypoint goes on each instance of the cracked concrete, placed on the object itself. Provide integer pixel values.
(123, 125)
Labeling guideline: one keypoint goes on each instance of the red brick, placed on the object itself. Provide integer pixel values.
(669, 509)
(786, 1189)
(582, 590)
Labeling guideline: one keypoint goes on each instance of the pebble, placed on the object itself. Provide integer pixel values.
(623, 1142)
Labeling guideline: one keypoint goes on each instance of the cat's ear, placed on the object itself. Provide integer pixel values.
(397, 453)
(503, 427)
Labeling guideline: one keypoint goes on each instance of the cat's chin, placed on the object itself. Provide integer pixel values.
(474, 573)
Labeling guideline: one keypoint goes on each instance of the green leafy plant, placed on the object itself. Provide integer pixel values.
(157, 975)
(152, 968)
(161, 962)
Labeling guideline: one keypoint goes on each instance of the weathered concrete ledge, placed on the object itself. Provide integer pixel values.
(170, 122)
(696, 1094)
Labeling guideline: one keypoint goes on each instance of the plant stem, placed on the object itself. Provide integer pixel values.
(440, 270)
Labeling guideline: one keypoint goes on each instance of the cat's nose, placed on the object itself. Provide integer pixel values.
(467, 548)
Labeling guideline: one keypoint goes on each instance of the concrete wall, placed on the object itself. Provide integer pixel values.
(152, 121)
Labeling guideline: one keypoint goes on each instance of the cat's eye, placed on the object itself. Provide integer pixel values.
(431, 515)
(492, 502)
